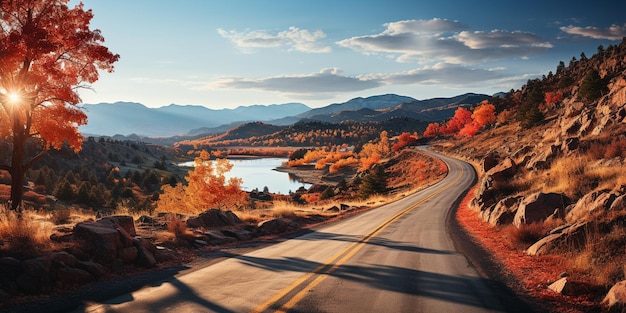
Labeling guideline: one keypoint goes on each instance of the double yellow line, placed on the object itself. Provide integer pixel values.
(330, 265)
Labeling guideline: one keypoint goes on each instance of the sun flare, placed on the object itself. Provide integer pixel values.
(14, 97)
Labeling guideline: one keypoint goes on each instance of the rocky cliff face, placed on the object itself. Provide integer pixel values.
(569, 168)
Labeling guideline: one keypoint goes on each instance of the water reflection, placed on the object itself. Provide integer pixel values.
(259, 173)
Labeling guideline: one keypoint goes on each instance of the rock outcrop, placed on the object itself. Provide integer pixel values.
(539, 206)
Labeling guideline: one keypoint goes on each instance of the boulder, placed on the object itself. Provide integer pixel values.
(128, 255)
(273, 226)
(494, 180)
(616, 297)
(145, 252)
(543, 158)
(568, 287)
(489, 162)
(123, 221)
(64, 258)
(619, 203)
(539, 206)
(145, 258)
(544, 245)
(10, 268)
(70, 277)
(569, 236)
(504, 211)
(333, 208)
(103, 241)
(591, 202)
(214, 218)
(571, 144)
(95, 269)
(163, 254)
(276, 226)
(216, 237)
(240, 234)
(28, 284)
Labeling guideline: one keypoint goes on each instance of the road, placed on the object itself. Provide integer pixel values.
(396, 258)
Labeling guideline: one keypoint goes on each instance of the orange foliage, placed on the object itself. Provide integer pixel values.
(368, 162)
(404, 140)
(207, 188)
(339, 164)
(461, 118)
(311, 197)
(464, 122)
(484, 114)
(432, 130)
(48, 52)
(552, 98)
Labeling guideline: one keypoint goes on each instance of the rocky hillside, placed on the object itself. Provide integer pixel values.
(555, 161)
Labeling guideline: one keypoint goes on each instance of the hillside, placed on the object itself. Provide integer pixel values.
(553, 182)
(307, 133)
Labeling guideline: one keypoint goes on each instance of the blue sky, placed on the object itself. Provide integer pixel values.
(222, 54)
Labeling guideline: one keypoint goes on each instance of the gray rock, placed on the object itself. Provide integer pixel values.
(539, 206)
(591, 202)
(616, 297)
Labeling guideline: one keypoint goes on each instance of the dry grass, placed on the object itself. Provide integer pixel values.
(27, 235)
(574, 176)
(601, 259)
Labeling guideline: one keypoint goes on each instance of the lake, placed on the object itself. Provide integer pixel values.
(259, 173)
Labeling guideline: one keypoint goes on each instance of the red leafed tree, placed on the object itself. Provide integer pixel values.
(461, 118)
(552, 98)
(484, 114)
(404, 140)
(432, 130)
(47, 52)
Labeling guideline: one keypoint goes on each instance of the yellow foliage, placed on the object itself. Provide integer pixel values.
(207, 188)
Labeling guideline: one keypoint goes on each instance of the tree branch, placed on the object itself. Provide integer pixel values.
(35, 159)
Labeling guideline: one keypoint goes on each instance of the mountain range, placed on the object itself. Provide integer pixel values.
(136, 120)
(127, 118)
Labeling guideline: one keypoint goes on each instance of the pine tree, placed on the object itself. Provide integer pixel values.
(374, 183)
(591, 87)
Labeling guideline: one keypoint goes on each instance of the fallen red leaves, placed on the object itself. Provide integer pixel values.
(534, 273)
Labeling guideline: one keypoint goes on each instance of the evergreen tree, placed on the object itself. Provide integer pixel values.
(65, 192)
(591, 87)
(374, 183)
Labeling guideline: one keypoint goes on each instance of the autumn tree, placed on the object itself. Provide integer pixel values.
(207, 187)
(47, 52)
(405, 139)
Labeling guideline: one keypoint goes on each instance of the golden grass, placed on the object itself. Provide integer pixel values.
(25, 235)
(574, 176)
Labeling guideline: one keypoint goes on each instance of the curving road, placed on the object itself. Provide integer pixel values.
(397, 258)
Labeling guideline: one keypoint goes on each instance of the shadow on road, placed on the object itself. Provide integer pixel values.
(378, 241)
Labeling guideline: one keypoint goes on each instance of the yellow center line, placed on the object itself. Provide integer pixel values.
(349, 252)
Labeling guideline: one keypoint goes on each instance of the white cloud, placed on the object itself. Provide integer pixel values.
(328, 80)
(614, 32)
(332, 81)
(293, 39)
(451, 75)
(440, 40)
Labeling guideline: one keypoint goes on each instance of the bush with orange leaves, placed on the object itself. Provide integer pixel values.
(207, 188)
(464, 122)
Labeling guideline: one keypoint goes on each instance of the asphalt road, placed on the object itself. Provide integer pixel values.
(396, 258)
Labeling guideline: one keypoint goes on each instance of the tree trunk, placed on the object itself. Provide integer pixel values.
(17, 168)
